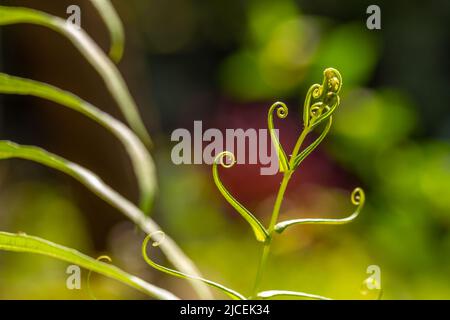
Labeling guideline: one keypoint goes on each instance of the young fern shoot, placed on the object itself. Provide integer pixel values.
(320, 103)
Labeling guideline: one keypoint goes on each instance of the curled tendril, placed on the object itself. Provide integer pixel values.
(322, 100)
(367, 284)
(156, 243)
(357, 198)
(316, 110)
(89, 288)
(220, 159)
(260, 231)
(313, 92)
(282, 112)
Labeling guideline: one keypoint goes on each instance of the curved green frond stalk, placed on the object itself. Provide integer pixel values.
(30, 244)
(282, 112)
(231, 293)
(93, 54)
(285, 293)
(173, 253)
(89, 288)
(320, 103)
(357, 198)
(143, 165)
(302, 156)
(370, 284)
(115, 27)
(259, 230)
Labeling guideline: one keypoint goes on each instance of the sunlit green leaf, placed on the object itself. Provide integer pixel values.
(96, 185)
(259, 230)
(30, 244)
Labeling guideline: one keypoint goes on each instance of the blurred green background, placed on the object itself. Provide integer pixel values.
(225, 63)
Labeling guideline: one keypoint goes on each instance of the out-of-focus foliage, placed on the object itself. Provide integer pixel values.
(282, 47)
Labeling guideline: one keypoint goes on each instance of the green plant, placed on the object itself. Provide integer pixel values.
(25, 243)
(320, 103)
(135, 139)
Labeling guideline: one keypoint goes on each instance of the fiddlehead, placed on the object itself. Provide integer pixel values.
(282, 112)
(231, 293)
(372, 283)
(322, 100)
(320, 103)
(260, 231)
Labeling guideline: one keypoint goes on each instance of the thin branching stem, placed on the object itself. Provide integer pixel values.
(276, 211)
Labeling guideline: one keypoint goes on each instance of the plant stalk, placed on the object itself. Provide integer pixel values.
(276, 211)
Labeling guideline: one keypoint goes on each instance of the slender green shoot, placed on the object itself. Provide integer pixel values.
(357, 198)
(320, 103)
(231, 293)
(261, 233)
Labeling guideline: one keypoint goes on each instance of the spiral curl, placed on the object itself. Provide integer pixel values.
(282, 109)
(282, 112)
(156, 243)
(358, 197)
(89, 288)
(260, 231)
(322, 100)
(220, 159)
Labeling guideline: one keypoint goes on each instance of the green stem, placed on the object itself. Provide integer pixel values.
(275, 213)
(298, 145)
(278, 201)
(261, 267)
